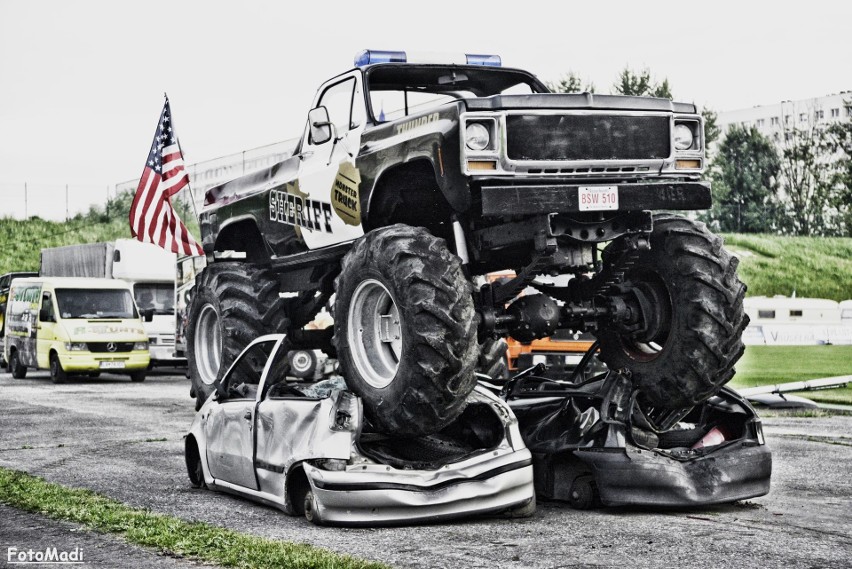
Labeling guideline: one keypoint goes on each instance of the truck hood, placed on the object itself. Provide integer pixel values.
(587, 101)
(267, 178)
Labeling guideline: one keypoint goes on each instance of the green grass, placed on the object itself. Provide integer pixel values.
(168, 535)
(814, 267)
(23, 240)
(768, 365)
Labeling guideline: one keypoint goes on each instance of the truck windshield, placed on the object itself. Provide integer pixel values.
(399, 90)
(159, 296)
(95, 303)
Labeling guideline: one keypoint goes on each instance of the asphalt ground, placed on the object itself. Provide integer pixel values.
(125, 440)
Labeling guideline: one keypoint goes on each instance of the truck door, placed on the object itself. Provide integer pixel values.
(327, 196)
(45, 329)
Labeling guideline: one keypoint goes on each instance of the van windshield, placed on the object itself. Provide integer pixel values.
(95, 303)
(159, 296)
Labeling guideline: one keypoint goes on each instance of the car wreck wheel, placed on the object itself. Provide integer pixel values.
(582, 493)
(311, 510)
(405, 331)
(194, 469)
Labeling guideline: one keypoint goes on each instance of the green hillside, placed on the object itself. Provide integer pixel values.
(22, 241)
(815, 267)
(819, 267)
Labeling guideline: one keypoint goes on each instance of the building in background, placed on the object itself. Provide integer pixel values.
(777, 120)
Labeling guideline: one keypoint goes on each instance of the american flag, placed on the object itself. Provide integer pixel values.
(152, 217)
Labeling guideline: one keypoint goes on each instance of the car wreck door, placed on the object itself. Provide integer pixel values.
(230, 425)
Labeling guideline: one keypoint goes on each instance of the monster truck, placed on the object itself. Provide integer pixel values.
(414, 179)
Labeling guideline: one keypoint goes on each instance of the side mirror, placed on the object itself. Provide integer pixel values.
(320, 125)
(147, 314)
(44, 315)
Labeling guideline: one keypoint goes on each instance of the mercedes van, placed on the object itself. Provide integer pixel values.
(74, 326)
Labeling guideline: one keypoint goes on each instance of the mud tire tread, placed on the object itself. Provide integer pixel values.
(246, 299)
(708, 318)
(436, 370)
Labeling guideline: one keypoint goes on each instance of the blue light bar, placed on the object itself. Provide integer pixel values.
(370, 56)
(487, 60)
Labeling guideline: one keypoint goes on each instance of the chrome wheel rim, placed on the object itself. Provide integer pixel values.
(375, 333)
(208, 344)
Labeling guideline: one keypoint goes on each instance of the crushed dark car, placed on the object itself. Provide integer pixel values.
(595, 441)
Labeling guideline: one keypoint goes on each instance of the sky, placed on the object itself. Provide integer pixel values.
(82, 82)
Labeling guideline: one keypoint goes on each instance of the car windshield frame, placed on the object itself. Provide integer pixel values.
(79, 303)
(457, 81)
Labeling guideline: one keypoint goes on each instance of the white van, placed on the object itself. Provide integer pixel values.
(74, 326)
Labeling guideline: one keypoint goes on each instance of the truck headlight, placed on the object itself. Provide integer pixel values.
(684, 137)
(76, 346)
(140, 346)
(476, 136)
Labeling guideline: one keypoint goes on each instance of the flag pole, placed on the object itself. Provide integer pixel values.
(188, 185)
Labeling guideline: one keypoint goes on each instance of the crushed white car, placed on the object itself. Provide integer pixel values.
(307, 448)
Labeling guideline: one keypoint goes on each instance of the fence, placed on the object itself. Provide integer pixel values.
(57, 202)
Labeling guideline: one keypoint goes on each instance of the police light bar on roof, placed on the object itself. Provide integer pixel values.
(370, 56)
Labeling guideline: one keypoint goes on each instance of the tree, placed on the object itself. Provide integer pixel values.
(807, 180)
(641, 84)
(744, 175)
(571, 83)
(711, 128)
(838, 142)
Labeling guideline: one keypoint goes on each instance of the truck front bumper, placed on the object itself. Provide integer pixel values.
(165, 356)
(499, 200)
(88, 362)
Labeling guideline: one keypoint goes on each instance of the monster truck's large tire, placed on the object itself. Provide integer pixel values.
(233, 304)
(405, 330)
(494, 359)
(696, 336)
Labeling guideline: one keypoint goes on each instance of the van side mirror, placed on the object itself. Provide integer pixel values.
(320, 125)
(147, 314)
(45, 316)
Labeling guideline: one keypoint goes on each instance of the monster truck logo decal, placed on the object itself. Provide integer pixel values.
(345, 195)
(406, 126)
(292, 209)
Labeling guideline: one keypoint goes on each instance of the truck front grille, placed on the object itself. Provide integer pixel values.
(103, 347)
(563, 137)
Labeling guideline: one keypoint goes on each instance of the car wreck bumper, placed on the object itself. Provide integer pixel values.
(636, 477)
(377, 495)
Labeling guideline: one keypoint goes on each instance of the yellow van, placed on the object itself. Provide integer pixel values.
(74, 326)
